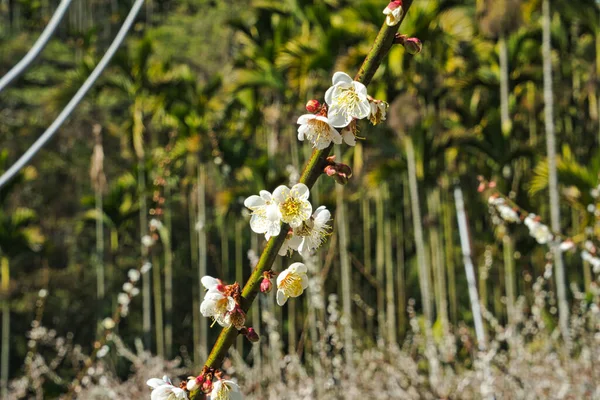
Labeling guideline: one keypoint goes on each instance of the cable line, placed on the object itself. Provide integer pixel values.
(47, 135)
(37, 48)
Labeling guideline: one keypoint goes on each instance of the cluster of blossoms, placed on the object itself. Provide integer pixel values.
(334, 122)
(221, 303)
(346, 102)
(208, 382)
(129, 292)
(539, 231)
(506, 212)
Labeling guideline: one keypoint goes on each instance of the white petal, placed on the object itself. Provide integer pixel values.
(335, 136)
(364, 110)
(281, 193)
(162, 392)
(259, 224)
(298, 267)
(341, 77)
(254, 201)
(337, 117)
(300, 191)
(155, 382)
(209, 282)
(230, 303)
(282, 276)
(360, 89)
(273, 213)
(266, 196)
(273, 229)
(303, 119)
(329, 96)
(281, 297)
(294, 242)
(304, 281)
(349, 137)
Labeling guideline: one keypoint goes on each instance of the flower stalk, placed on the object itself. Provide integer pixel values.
(313, 169)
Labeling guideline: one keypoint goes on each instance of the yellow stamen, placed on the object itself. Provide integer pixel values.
(292, 285)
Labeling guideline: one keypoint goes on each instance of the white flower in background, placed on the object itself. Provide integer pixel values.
(103, 351)
(163, 389)
(310, 235)
(265, 214)
(133, 275)
(155, 224)
(539, 231)
(508, 214)
(393, 13)
(347, 99)
(225, 390)
(147, 241)
(293, 203)
(108, 323)
(566, 245)
(134, 292)
(146, 267)
(216, 304)
(594, 261)
(378, 111)
(317, 130)
(291, 282)
(123, 299)
(127, 287)
(495, 200)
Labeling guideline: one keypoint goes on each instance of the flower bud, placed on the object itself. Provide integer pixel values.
(251, 335)
(330, 170)
(413, 45)
(207, 386)
(194, 383)
(266, 285)
(313, 106)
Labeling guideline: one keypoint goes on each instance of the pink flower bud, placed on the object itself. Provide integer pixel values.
(252, 336)
(266, 285)
(313, 106)
(394, 4)
(207, 386)
(413, 45)
(330, 170)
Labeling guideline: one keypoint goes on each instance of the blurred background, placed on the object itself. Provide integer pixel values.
(198, 110)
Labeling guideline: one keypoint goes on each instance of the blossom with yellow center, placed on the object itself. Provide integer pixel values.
(216, 304)
(291, 282)
(293, 203)
(225, 390)
(347, 100)
(318, 130)
(163, 389)
(310, 235)
(266, 217)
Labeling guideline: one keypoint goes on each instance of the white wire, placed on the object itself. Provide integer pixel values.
(37, 48)
(47, 135)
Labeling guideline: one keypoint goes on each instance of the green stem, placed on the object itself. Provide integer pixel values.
(311, 173)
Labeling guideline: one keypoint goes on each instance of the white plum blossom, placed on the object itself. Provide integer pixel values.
(508, 214)
(294, 207)
(103, 351)
(163, 389)
(317, 130)
(225, 390)
(291, 282)
(147, 241)
(349, 136)
(393, 13)
(127, 287)
(146, 267)
(539, 231)
(155, 224)
(123, 299)
(108, 323)
(133, 275)
(310, 235)
(566, 245)
(347, 100)
(594, 261)
(216, 304)
(378, 111)
(266, 217)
